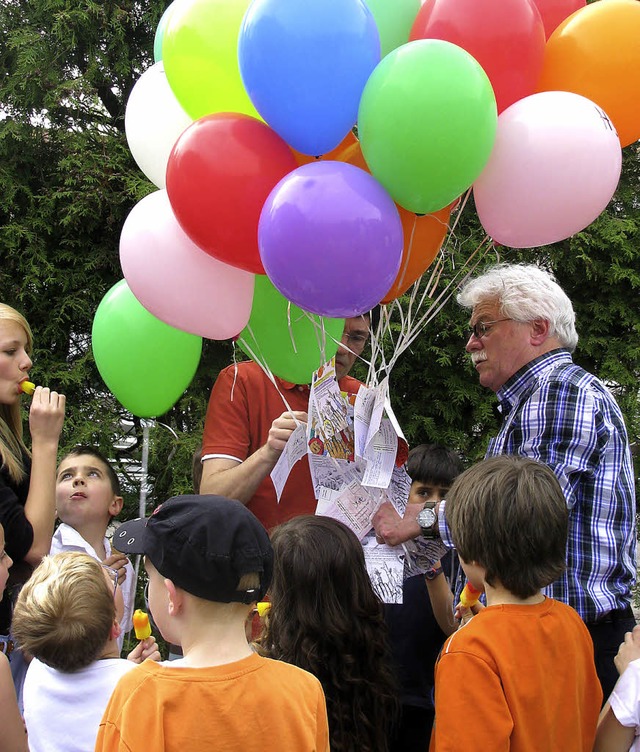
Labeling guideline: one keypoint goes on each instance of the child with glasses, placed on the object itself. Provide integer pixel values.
(68, 618)
(87, 500)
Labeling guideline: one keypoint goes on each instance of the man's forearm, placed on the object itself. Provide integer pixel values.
(237, 480)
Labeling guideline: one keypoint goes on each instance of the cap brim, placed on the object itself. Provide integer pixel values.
(129, 537)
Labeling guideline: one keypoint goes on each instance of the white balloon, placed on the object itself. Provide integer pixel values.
(153, 121)
(177, 281)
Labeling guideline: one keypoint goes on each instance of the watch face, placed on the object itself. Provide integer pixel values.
(426, 518)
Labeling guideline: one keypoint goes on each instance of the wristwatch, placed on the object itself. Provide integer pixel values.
(432, 573)
(428, 520)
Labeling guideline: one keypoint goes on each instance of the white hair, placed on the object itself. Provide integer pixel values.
(525, 293)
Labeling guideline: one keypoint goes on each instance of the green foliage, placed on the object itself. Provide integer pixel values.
(68, 181)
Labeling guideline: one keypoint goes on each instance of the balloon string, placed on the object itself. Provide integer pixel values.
(409, 328)
(405, 265)
(255, 357)
(293, 340)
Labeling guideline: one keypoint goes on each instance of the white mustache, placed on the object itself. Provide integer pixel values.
(478, 357)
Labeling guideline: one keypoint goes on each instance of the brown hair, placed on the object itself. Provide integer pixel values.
(510, 516)
(326, 618)
(65, 611)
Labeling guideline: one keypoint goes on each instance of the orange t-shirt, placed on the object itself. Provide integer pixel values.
(254, 705)
(518, 678)
(242, 406)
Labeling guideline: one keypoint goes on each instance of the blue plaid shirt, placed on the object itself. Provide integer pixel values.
(557, 413)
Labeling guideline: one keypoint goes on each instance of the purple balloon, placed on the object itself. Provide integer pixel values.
(330, 239)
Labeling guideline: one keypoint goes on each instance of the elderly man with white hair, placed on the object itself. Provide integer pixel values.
(522, 336)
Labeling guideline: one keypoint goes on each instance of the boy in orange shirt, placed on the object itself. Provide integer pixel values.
(209, 559)
(519, 675)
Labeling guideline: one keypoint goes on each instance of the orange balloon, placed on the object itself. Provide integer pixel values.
(347, 141)
(423, 234)
(423, 238)
(596, 53)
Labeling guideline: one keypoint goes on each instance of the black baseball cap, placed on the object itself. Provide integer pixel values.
(204, 544)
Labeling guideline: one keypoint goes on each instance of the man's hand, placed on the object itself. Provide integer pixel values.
(391, 528)
(282, 428)
(629, 650)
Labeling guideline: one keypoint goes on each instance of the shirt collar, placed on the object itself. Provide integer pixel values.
(289, 386)
(513, 388)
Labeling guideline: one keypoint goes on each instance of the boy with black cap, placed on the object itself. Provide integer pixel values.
(208, 559)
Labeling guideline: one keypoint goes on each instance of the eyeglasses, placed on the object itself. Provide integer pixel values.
(355, 341)
(113, 576)
(482, 328)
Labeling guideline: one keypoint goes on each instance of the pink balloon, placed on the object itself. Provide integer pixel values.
(554, 12)
(178, 282)
(554, 168)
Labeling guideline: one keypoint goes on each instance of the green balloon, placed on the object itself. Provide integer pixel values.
(394, 19)
(427, 123)
(159, 35)
(200, 55)
(276, 324)
(145, 363)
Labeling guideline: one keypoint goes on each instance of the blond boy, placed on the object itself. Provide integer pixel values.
(67, 618)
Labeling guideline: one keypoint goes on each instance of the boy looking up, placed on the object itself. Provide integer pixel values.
(209, 559)
(87, 499)
(520, 675)
(67, 618)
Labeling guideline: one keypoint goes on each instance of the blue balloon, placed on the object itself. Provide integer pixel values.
(304, 64)
(159, 35)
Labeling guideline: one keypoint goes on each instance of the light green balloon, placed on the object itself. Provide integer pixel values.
(427, 123)
(394, 19)
(275, 325)
(200, 55)
(145, 363)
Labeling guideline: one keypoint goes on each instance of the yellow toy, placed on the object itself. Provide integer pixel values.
(141, 624)
(28, 387)
(470, 595)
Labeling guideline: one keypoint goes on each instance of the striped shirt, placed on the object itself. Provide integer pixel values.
(557, 413)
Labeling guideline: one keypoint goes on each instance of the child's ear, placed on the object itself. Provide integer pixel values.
(175, 597)
(116, 506)
(116, 630)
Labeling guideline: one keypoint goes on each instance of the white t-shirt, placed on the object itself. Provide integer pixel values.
(63, 711)
(67, 538)
(625, 700)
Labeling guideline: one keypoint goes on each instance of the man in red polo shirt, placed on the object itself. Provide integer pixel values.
(247, 427)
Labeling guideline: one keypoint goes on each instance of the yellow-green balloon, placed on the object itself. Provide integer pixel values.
(394, 19)
(145, 363)
(200, 55)
(286, 339)
(427, 123)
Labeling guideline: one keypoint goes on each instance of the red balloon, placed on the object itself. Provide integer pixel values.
(554, 12)
(219, 174)
(505, 36)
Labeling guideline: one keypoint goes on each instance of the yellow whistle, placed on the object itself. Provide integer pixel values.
(141, 624)
(262, 607)
(28, 387)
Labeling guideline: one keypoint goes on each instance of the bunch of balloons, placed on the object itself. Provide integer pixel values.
(273, 222)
